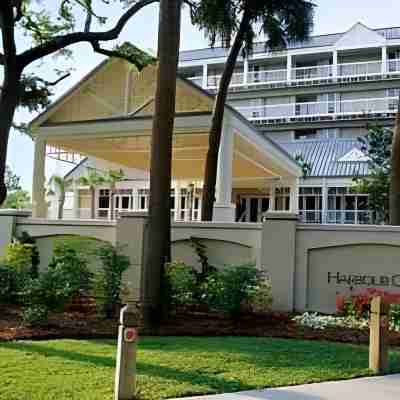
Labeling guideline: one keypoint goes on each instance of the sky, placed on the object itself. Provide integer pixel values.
(331, 16)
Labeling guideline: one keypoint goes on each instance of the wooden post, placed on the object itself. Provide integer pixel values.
(379, 325)
(125, 374)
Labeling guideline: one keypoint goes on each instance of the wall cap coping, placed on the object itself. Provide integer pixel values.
(217, 225)
(224, 205)
(348, 228)
(277, 215)
(63, 222)
(15, 213)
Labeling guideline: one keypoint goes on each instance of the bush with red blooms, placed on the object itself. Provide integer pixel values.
(358, 304)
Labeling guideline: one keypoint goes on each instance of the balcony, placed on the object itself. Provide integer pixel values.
(350, 217)
(326, 110)
(313, 75)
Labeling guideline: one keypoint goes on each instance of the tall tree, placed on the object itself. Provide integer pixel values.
(92, 180)
(394, 202)
(111, 178)
(61, 185)
(159, 230)
(280, 20)
(48, 32)
(377, 145)
(12, 181)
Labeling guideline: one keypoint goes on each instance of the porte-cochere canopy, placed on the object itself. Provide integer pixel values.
(108, 115)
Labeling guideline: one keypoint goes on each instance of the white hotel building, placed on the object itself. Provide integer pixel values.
(314, 98)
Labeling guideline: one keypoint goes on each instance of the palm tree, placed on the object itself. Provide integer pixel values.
(93, 179)
(61, 185)
(159, 230)
(113, 176)
(280, 20)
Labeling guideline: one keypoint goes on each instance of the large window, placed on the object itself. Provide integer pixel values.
(346, 207)
(104, 199)
(310, 204)
(282, 199)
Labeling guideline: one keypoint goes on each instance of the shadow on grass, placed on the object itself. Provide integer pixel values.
(192, 377)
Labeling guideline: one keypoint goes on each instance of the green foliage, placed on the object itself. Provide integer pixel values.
(306, 167)
(259, 296)
(92, 179)
(8, 279)
(377, 146)
(226, 290)
(182, 283)
(19, 256)
(281, 21)
(113, 264)
(17, 200)
(72, 269)
(395, 317)
(35, 315)
(25, 238)
(201, 251)
(12, 181)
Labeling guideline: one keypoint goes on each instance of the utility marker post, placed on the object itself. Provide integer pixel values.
(378, 336)
(125, 374)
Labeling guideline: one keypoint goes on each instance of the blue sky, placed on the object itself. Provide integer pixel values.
(331, 16)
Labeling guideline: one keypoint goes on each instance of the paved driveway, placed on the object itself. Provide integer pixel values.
(377, 388)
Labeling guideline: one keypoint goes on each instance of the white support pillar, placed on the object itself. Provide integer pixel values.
(289, 68)
(75, 200)
(224, 210)
(245, 70)
(39, 207)
(324, 201)
(294, 197)
(384, 60)
(177, 200)
(335, 64)
(205, 76)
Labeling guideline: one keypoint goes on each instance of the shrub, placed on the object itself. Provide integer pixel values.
(182, 283)
(395, 317)
(25, 238)
(19, 256)
(113, 264)
(71, 268)
(8, 285)
(225, 290)
(35, 315)
(260, 296)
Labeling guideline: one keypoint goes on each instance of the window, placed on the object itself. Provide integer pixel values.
(305, 134)
(143, 196)
(104, 198)
(310, 204)
(282, 199)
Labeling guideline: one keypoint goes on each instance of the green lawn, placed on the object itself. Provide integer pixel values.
(173, 366)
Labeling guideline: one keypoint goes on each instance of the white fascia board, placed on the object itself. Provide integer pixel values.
(273, 151)
(109, 128)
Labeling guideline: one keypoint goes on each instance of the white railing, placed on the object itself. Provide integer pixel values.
(312, 73)
(355, 217)
(325, 108)
(302, 74)
(359, 69)
(269, 76)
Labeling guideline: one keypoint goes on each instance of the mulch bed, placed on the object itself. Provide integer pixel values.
(78, 325)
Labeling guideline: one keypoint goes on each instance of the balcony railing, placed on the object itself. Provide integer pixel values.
(299, 75)
(351, 217)
(320, 109)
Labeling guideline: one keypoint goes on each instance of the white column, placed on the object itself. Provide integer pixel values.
(224, 210)
(177, 200)
(384, 59)
(135, 199)
(335, 64)
(272, 197)
(294, 197)
(205, 76)
(289, 68)
(75, 200)
(39, 207)
(245, 70)
(324, 201)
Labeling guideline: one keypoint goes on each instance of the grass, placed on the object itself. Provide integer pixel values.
(174, 366)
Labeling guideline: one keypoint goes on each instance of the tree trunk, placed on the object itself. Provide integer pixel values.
(159, 230)
(9, 91)
(92, 203)
(394, 201)
(61, 203)
(214, 140)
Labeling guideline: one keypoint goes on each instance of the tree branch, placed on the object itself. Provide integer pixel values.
(126, 52)
(60, 42)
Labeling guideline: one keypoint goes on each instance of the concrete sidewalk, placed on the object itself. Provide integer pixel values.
(376, 388)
